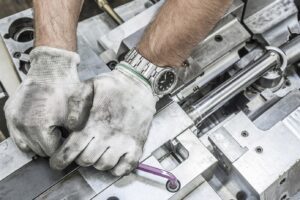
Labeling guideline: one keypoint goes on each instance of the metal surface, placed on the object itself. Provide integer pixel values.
(247, 145)
(190, 173)
(232, 87)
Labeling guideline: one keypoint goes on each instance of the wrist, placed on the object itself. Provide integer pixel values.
(52, 65)
(162, 58)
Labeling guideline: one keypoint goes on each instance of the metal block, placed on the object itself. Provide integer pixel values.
(190, 174)
(114, 38)
(226, 148)
(214, 55)
(11, 158)
(270, 167)
(204, 191)
(272, 22)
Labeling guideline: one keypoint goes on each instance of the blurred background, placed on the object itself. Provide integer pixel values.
(90, 8)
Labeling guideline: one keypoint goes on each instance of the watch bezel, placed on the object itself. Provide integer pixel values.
(158, 76)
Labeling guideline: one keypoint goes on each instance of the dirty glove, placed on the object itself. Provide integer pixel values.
(117, 128)
(51, 96)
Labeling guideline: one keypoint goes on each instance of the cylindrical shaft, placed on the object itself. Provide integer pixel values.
(104, 5)
(218, 97)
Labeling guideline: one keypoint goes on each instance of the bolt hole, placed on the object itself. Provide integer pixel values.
(245, 134)
(21, 30)
(218, 38)
(259, 149)
(241, 195)
(112, 198)
(288, 83)
(17, 55)
(282, 181)
(283, 197)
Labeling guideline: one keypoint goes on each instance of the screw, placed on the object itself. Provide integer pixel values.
(17, 55)
(173, 187)
(218, 38)
(245, 134)
(259, 149)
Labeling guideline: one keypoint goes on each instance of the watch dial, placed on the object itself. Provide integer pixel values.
(166, 81)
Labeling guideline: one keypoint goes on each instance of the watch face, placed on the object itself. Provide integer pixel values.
(166, 81)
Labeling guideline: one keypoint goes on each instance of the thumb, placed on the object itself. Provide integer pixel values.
(79, 105)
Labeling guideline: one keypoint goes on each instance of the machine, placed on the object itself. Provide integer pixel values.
(229, 131)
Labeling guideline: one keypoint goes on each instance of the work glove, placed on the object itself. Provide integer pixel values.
(117, 128)
(51, 96)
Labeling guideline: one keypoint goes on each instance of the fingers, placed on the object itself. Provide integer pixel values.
(70, 150)
(91, 154)
(79, 105)
(17, 136)
(127, 163)
(109, 159)
(49, 140)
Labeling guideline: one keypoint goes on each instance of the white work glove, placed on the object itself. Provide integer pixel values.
(118, 126)
(51, 96)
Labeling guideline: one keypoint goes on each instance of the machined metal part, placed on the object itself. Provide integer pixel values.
(198, 166)
(104, 5)
(232, 87)
(272, 22)
(3, 127)
(243, 96)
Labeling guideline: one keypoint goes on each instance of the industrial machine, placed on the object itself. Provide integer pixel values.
(230, 130)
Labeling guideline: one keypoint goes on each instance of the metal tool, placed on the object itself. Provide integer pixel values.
(173, 185)
(105, 6)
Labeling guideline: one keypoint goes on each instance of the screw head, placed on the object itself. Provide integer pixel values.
(173, 188)
(245, 133)
(259, 149)
(17, 55)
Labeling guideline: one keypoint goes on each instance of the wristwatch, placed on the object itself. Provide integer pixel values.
(162, 80)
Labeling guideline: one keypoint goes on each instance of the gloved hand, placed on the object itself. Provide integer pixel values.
(51, 96)
(117, 128)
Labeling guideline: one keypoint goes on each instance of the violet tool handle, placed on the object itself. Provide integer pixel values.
(159, 172)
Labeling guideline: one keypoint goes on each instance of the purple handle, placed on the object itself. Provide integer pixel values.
(159, 172)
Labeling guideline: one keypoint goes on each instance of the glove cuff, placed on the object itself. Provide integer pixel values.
(136, 77)
(51, 65)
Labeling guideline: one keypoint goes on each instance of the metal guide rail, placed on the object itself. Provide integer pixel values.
(229, 131)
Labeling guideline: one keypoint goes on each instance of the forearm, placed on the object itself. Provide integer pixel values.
(179, 26)
(56, 23)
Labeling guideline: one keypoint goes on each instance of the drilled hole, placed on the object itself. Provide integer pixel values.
(283, 197)
(259, 149)
(245, 134)
(241, 195)
(282, 181)
(21, 30)
(218, 38)
(112, 198)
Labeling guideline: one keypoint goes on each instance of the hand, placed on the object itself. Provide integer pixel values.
(50, 97)
(117, 128)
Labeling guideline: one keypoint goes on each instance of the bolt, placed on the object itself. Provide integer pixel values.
(17, 55)
(245, 134)
(259, 149)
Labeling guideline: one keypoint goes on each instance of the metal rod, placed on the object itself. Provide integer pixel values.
(104, 5)
(218, 97)
(159, 172)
